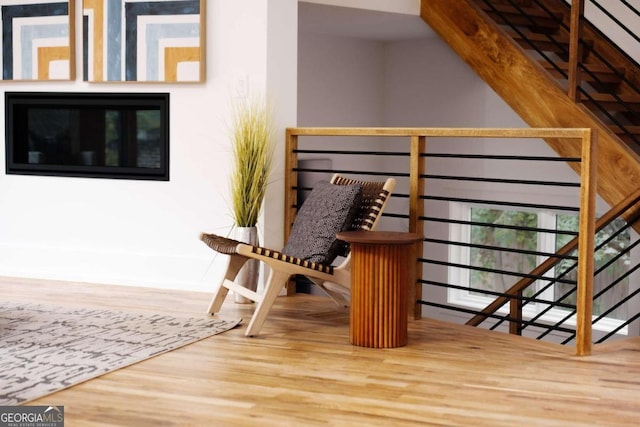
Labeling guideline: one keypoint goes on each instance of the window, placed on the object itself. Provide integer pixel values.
(521, 233)
(103, 135)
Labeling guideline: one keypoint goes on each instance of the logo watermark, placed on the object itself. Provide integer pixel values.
(31, 416)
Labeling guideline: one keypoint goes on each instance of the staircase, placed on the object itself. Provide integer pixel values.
(552, 76)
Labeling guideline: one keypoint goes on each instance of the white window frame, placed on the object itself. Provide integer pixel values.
(459, 254)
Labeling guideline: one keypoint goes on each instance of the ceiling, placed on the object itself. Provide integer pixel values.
(360, 23)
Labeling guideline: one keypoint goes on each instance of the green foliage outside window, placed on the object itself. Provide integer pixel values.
(603, 256)
(487, 235)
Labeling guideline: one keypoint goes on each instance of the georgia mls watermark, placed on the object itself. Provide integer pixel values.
(31, 416)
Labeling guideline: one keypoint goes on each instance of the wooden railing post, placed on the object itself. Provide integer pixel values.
(416, 211)
(586, 244)
(515, 314)
(575, 48)
(290, 194)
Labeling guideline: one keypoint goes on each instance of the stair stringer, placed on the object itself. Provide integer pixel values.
(530, 91)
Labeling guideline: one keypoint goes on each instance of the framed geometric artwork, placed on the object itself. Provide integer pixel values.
(37, 40)
(143, 41)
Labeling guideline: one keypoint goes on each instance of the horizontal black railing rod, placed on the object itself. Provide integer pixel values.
(550, 282)
(393, 195)
(525, 38)
(594, 52)
(491, 270)
(618, 280)
(499, 249)
(602, 245)
(552, 16)
(454, 308)
(467, 288)
(606, 62)
(504, 226)
(355, 152)
(368, 173)
(542, 325)
(502, 180)
(550, 304)
(584, 92)
(501, 203)
(626, 107)
(614, 331)
(304, 188)
(562, 48)
(553, 280)
(613, 68)
(563, 320)
(526, 15)
(619, 303)
(624, 128)
(631, 7)
(494, 293)
(607, 113)
(615, 258)
(616, 20)
(498, 157)
(492, 315)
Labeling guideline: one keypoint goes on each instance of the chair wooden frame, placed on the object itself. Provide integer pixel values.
(335, 281)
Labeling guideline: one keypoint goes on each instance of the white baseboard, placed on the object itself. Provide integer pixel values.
(165, 271)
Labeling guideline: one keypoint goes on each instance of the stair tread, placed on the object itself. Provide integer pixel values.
(608, 97)
(524, 16)
(595, 75)
(533, 12)
(560, 38)
(539, 37)
(632, 129)
(591, 67)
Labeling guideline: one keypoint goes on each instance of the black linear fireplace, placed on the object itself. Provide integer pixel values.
(97, 135)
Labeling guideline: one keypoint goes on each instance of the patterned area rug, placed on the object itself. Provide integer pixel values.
(44, 349)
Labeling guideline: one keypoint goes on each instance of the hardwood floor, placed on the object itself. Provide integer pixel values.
(302, 371)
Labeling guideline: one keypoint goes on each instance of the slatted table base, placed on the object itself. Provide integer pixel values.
(380, 267)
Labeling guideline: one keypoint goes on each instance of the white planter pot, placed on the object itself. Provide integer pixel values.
(248, 275)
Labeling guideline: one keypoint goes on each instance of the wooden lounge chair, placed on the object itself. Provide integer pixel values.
(312, 245)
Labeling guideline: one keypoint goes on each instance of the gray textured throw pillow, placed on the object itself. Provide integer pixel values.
(327, 210)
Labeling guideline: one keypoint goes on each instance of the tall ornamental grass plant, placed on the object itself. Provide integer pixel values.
(252, 141)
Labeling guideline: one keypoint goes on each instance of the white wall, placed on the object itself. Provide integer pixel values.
(340, 81)
(428, 85)
(146, 232)
(409, 7)
(418, 83)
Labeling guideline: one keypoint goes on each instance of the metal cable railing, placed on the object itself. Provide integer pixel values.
(625, 115)
(617, 21)
(465, 251)
(570, 309)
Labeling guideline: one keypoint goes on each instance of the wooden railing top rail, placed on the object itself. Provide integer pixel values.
(443, 132)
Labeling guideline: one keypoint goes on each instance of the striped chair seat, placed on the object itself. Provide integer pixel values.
(225, 245)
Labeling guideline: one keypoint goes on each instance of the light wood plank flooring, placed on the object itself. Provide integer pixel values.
(302, 371)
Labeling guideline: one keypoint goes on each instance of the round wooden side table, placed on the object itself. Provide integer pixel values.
(380, 266)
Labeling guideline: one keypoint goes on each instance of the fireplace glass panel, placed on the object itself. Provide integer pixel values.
(104, 135)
